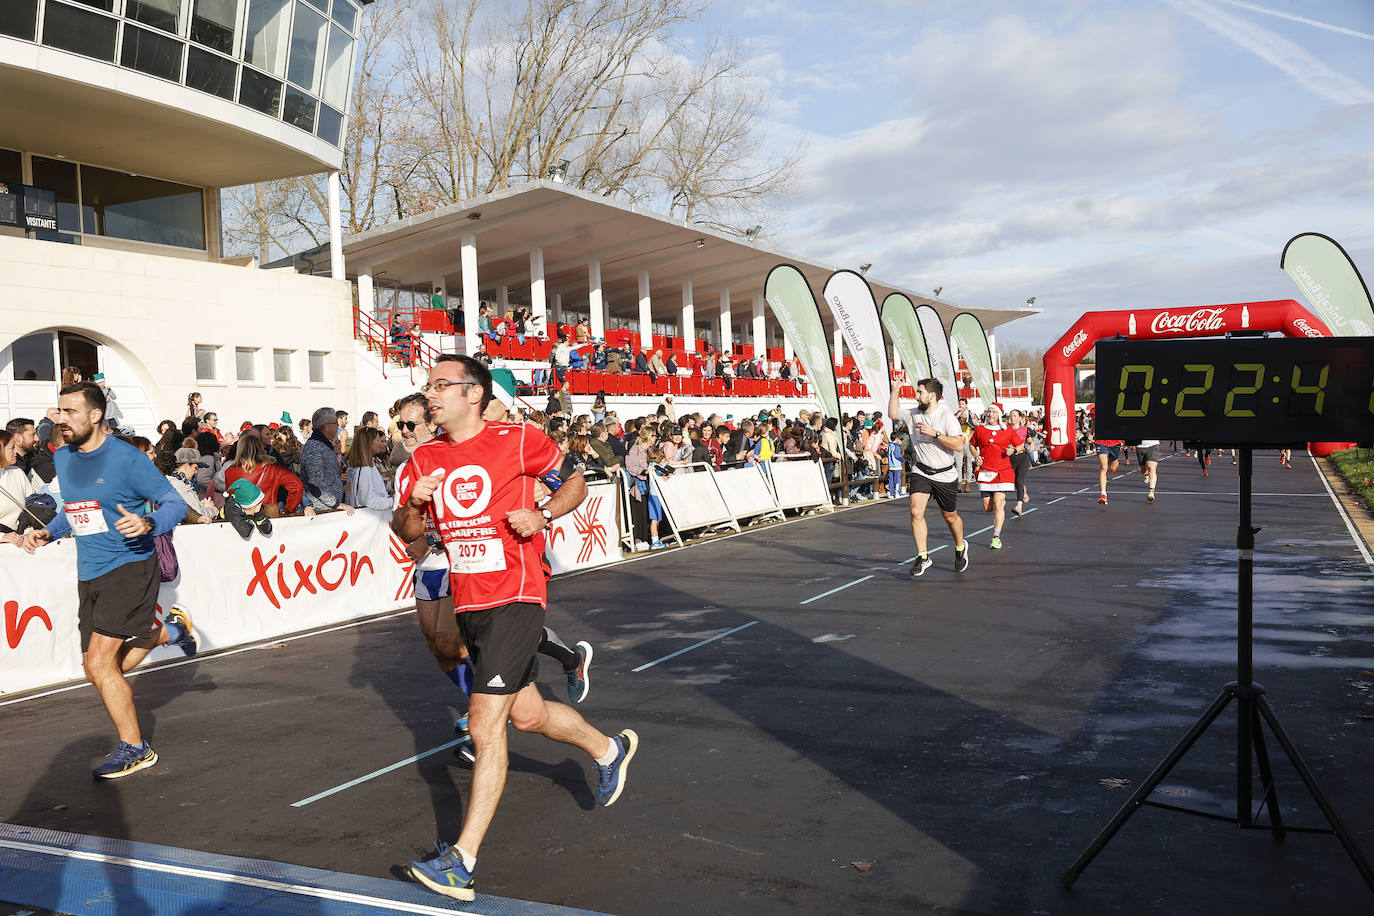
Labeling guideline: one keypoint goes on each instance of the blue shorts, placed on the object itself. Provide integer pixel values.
(431, 584)
(1111, 451)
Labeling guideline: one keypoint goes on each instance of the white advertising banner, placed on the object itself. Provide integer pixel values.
(311, 572)
(746, 492)
(856, 315)
(693, 500)
(941, 360)
(588, 536)
(799, 483)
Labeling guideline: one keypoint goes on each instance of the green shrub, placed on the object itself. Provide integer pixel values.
(1356, 465)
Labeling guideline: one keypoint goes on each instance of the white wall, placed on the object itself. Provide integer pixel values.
(149, 312)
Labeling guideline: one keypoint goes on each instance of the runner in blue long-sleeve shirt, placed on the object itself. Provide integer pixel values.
(105, 485)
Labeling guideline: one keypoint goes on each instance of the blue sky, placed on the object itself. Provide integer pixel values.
(1091, 153)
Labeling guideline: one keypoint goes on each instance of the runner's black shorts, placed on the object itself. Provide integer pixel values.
(946, 494)
(121, 604)
(503, 642)
(1147, 453)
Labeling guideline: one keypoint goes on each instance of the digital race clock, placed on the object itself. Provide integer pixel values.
(1241, 391)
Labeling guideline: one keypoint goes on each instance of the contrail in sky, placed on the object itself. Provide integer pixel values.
(1340, 30)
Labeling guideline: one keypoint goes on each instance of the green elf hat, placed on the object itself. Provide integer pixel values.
(285, 418)
(503, 386)
(98, 377)
(246, 494)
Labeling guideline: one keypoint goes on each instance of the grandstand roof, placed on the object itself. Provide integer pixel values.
(575, 228)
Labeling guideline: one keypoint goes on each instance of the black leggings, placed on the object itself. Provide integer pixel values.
(1202, 455)
(1020, 464)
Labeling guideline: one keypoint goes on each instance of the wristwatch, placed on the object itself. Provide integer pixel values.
(548, 517)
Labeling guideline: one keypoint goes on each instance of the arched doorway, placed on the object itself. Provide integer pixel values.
(1283, 315)
(31, 374)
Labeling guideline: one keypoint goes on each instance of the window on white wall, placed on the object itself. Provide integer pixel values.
(244, 364)
(281, 365)
(317, 367)
(205, 363)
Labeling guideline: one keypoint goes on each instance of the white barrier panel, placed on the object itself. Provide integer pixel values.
(311, 572)
(746, 492)
(799, 484)
(588, 536)
(693, 500)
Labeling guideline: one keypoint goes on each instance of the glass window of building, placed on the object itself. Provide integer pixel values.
(141, 209)
(307, 47)
(211, 73)
(330, 125)
(32, 359)
(60, 176)
(152, 53)
(245, 359)
(80, 31)
(338, 68)
(205, 363)
(265, 41)
(281, 365)
(106, 5)
(345, 13)
(19, 18)
(299, 110)
(11, 168)
(321, 5)
(160, 14)
(317, 367)
(213, 23)
(259, 92)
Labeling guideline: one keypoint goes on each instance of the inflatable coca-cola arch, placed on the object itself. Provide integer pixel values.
(1283, 315)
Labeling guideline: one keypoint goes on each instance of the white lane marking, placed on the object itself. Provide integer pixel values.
(834, 590)
(1349, 525)
(928, 553)
(243, 880)
(216, 654)
(375, 773)
(1053, 501)
(696, 645)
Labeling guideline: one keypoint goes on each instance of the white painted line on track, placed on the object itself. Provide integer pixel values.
(696, 646)
(183, 871)
(1349, 525)
(216, 654)
(834, 590)
(375, 773)
(1055, 500)
(928, 553)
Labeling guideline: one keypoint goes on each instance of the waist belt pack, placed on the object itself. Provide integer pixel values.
(928, 470)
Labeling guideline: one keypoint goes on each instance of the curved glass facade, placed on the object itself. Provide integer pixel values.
(289, 59)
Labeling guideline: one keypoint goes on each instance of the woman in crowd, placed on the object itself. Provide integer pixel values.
(366, 488)
(17, 487)
(193, 408)
(251, 462)
(599, 407)
(582, 458)
(637, 466)
(179, 467)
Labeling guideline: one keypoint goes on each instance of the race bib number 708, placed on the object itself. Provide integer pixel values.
(85, 517)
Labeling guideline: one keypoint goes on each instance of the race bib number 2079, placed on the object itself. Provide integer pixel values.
(480, 556)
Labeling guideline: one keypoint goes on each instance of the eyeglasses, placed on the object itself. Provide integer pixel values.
(441, 385)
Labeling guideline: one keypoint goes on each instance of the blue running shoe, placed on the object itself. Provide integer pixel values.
(611, 778)
(579, 678)
(125, 760)
(445, 874)
(464, 749)
(186, 642)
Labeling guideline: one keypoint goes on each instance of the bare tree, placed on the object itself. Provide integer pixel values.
(482, 94)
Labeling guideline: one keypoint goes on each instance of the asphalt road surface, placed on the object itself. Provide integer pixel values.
(854, 741)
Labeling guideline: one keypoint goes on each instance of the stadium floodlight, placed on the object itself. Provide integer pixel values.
(863, 268)
(752, 233)
(558, 172)
(1030, 301)
(937, 290)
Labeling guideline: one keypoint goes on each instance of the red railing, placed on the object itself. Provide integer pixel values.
(416, 354)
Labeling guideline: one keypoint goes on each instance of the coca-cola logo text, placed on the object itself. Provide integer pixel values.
(1188, 322)
(1302, 325)
(1078, 340)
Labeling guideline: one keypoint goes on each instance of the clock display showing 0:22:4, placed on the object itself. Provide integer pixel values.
(1191, 390)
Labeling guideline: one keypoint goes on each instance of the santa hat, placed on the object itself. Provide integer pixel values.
(998, 406)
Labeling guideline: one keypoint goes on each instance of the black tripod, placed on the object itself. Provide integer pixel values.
(1251, 706)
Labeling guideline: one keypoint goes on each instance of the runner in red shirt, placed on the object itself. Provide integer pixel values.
(476, 482)
(995, 444)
